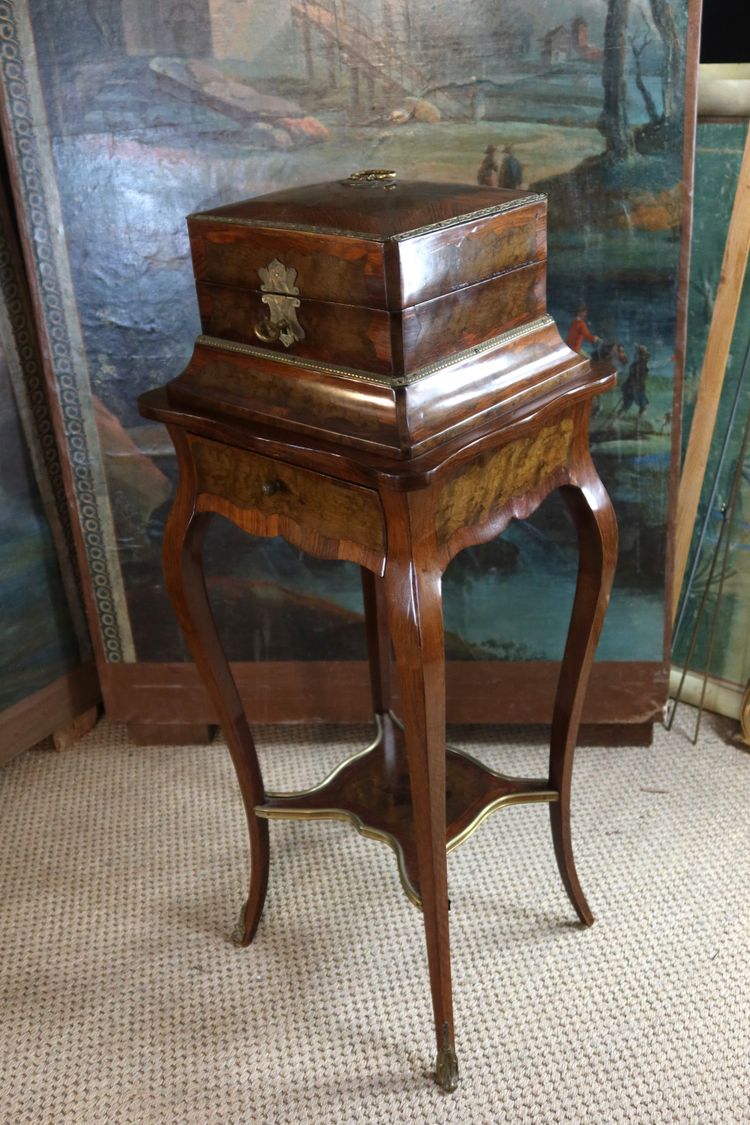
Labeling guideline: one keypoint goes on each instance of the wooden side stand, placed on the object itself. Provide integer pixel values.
(402, 522)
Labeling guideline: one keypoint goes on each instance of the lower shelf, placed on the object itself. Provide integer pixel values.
(372, 791)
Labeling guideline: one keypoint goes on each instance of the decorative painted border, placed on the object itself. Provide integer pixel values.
(30, 158)
(17, 334)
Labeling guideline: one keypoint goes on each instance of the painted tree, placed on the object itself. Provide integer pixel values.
(613, 122)
(664, 22)
(638, 47)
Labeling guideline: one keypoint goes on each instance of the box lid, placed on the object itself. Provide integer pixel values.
(374, 204)
(372, 239)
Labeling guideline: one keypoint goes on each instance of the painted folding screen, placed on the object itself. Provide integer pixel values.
(714, 623)
(124, 116)
(46, 674)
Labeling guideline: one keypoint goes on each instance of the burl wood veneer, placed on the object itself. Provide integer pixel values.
(396, 468)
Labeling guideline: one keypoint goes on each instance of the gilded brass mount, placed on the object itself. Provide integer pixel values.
(281, 298)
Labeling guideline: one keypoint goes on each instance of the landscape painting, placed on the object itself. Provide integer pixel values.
(157, 108)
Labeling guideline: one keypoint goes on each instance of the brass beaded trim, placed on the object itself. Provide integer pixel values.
(372, 377)
(471, 216)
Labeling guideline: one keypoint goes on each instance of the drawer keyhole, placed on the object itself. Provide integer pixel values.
(271, 487)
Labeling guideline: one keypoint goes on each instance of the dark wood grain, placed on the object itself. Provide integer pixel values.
(374, 790)
(444, 260)
(379, 648)
(380, 213)
(356, 336)
(435, 330)
(506, 382)
(329, 267)
(419, 312)
(596, 526)
(354, 412)
(465, 489)
(354, 461)
(374, 340)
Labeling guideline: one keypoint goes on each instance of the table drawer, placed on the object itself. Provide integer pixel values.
(326, 517)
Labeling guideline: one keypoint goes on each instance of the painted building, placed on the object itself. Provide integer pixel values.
(167, 27)
(569, 41)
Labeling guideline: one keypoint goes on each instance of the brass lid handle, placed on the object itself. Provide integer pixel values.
(385, 177)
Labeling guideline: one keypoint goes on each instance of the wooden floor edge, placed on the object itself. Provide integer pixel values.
(41, 713)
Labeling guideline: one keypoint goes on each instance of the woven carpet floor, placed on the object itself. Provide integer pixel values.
(122, 1000)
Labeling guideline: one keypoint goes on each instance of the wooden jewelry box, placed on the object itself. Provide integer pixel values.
(379, 314)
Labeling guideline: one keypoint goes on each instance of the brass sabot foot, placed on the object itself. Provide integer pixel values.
(446, 1064)
(238, 933)
(446, 1069)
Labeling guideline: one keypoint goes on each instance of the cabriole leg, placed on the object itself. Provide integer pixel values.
(183, 571)
(596, 527)
(414, 600)
(379, 657)
(378, 641)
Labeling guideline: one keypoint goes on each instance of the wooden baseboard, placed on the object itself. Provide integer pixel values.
(45, 711)
(338, 692)
(616, 734)
(182, 734)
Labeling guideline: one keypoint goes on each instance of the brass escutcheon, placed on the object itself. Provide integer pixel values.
(281, 297)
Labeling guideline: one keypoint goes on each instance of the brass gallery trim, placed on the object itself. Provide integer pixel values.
(338, 769)
(531, 796)
(371, 377)
(363, 829)
(457, 220)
